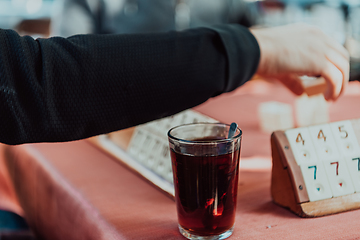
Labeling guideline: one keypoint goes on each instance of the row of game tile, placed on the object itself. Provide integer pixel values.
(329, 158)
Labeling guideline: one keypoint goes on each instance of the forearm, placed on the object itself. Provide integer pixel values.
(66, 89)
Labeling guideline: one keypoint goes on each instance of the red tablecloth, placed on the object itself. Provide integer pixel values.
(75, 191)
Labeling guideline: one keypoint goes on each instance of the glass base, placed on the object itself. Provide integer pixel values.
(189, 235)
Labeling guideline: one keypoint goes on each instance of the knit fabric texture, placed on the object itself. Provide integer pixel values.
(63, 89)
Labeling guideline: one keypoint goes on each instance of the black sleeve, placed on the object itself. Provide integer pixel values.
(63, 89)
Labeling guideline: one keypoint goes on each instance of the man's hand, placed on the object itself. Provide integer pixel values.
(290, 51)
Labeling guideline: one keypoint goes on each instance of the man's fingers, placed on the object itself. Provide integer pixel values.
(334, 81)
(293, 50)
(293, 83)
(332, 43)
(342, 65)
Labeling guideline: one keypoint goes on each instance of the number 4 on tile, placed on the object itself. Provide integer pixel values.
(299, 139)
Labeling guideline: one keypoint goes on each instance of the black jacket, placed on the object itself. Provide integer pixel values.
(62, 89)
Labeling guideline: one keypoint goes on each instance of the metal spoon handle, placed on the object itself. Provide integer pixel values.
(232, 130)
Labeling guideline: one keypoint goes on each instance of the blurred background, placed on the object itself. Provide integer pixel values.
(43, 18)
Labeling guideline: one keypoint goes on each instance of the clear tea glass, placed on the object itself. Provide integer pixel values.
(205, 165)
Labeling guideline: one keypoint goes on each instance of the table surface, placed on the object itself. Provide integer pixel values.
(76, 191)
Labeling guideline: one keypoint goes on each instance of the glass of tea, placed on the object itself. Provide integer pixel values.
(205, 163)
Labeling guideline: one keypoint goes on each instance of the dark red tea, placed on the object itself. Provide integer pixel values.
(206, 191)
